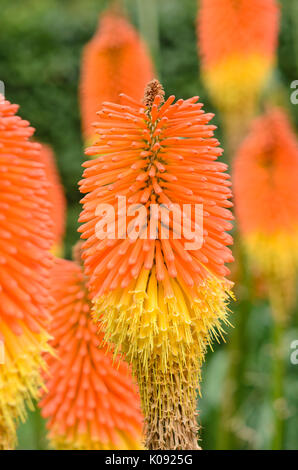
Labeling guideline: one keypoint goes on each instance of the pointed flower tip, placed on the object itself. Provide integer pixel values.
(153, 89)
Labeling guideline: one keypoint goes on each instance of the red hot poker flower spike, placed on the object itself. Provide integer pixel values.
(159, 300)
(266, 181)
(115, 61)
(91, 401)
(55, 196)
(25, 240)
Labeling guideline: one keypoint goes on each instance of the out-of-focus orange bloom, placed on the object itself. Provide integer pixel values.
(91, 400)
(114, 61)
(25, 240)
(159, 300)
(265, 183)
(55, 196)
(237, 43)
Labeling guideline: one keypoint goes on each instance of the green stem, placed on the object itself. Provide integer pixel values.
(116, 4)
(229, 416)
(233, 386)
(278, 387)
(38, 427)
(281, 308)
(148, 24)
(294, 28)
(235, 129)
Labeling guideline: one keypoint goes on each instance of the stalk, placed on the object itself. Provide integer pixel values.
(233, 386)
(281, 310)
(278, 386)
(169, 404)
(232, 396)
(294, 28)
(168, 391)
(235, 129)
(148, 24)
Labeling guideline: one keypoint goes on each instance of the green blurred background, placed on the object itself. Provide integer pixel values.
(40, 50)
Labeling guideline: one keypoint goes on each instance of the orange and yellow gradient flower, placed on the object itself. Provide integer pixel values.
(265, 183)
(56, 197)
(91, 401)
(157, 302)
(26, 237)
(114, 61)
(237, 44)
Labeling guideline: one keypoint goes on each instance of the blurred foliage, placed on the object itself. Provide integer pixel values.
(40, 49)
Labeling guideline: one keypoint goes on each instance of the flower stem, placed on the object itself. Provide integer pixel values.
(229, 412)
(235, 129)
(281, 307)
(148, 23)
(169, 405)
(229, 418)
(278, 372)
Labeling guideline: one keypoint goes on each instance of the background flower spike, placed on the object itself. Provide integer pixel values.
(56, 197)
(237, 42)
(26, 235)
(115, 61)
(265, 180)
(91, 402)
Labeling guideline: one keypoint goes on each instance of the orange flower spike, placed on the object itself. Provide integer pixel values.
(159, 302)
(265, 182)
(56, 197)
(91, 401)
(25, 238)
(237, 44)
(114, 61)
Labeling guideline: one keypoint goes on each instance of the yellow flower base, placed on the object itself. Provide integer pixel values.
(236, 82)
(165, 340)
(20, 378)
(143, 323)
(85, 442)
(275, 256)
(57, 250)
